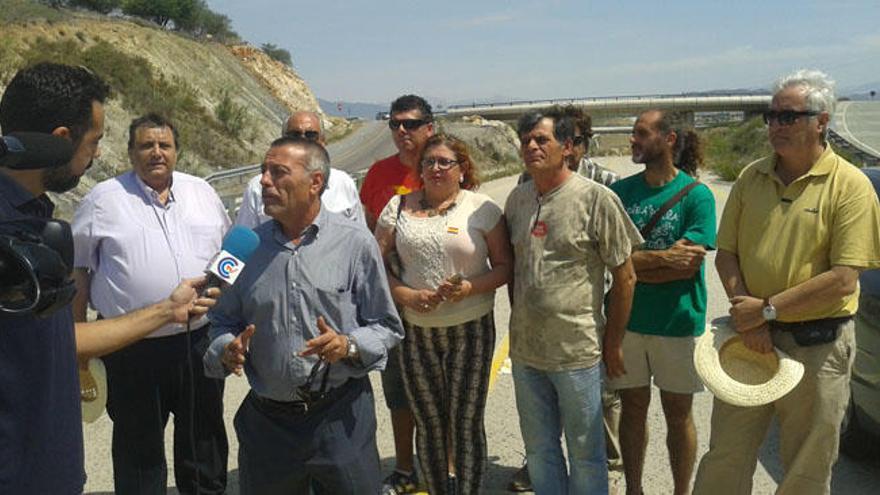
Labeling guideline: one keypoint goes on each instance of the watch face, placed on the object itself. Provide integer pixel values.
(769, 313)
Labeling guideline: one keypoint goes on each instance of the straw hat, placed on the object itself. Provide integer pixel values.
(738, 375)
(93, 390)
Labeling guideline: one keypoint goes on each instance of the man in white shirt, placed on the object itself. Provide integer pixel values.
(136, 237)
(341, 195)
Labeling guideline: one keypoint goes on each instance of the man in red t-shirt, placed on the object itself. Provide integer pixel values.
(411, 123)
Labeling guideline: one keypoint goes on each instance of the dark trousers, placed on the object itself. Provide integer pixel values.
(148, 380)
(330, 449)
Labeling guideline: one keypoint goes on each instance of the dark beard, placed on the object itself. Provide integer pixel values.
(60, 179)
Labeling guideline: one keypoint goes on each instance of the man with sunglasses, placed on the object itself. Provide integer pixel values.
(796, 231)
(411, 125)
(341, 195)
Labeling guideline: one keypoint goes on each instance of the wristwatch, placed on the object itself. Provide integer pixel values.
(769, 310)
(353, 353)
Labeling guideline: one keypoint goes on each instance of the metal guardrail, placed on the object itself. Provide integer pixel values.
(230, 184)
(840, 142)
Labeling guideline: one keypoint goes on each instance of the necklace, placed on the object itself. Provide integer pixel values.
(439, 210)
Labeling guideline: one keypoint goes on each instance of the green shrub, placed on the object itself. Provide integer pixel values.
(277, 53)
(15, 11)
(203, 137)
(730, 148)
(233, 117)
(100, 6)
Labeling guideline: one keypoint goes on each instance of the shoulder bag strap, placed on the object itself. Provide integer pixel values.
(666, 206)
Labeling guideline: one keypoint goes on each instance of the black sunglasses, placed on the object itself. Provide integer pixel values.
(310, 135)
(786, 117)
(577, 140)
(408, 124)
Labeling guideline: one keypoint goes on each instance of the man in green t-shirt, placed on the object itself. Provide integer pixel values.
(669, 305)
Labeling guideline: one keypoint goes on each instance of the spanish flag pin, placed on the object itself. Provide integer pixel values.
(452, 230)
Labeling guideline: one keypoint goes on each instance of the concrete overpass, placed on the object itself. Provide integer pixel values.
(619, 105)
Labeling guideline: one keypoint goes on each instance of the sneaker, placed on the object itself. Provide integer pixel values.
(520, 481)
(398, 483)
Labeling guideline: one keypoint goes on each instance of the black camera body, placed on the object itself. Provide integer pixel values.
(36, 261)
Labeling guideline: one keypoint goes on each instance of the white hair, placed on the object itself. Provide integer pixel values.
(818, 88)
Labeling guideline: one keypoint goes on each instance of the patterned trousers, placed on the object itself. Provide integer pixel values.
(446, 374)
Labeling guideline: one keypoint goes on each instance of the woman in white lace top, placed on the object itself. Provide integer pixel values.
(453, 252)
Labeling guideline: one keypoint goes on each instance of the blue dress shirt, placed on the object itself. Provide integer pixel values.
(336, 272)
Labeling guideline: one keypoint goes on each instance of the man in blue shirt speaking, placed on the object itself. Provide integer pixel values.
(306, 320)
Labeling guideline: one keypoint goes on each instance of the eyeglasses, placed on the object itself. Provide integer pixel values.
(786, 117)
(310, 135)
(408, 124)
(441, 163)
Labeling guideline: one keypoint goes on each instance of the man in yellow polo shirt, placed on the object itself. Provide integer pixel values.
(796, 231)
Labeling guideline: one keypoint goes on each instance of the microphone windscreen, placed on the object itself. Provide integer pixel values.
(241, 242)
(34, 150)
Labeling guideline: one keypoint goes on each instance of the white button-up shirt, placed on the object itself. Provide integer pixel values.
(137, 249)
(341, 196)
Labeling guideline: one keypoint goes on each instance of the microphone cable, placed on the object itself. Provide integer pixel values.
(192, 407)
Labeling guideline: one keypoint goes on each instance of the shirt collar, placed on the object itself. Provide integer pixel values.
(22, 200)
(307, 236)
(151, 193)
(822, 166)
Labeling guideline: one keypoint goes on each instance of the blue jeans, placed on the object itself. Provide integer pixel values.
(550, 402)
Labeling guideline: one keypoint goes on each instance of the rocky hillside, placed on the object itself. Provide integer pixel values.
(228, 101)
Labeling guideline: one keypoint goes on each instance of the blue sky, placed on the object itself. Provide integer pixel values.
(373, 51)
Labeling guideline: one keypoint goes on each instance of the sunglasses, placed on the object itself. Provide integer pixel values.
(577, 140)
(310, 135)
(441, 163)
(408, 124)
(786, 117)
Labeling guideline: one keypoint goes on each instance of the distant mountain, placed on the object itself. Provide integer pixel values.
(862, 91)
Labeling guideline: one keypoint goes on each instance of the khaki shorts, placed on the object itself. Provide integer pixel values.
(669, 360)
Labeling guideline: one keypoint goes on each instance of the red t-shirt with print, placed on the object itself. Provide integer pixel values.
(386, 178)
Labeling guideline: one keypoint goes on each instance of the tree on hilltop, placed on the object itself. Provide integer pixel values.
(277, 53)
(162, 12)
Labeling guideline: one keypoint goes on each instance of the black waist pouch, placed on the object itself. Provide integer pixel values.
(813, 332)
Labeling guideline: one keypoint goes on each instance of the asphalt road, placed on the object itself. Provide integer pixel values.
(370, 142)
(505, 442)
(859, 123)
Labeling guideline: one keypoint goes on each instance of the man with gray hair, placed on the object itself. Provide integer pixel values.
(801, 298)
(341, 195)
(309, 316)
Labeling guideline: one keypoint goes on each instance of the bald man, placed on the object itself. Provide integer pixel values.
(341, 195)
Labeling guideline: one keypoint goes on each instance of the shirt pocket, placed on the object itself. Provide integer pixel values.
(337, 307)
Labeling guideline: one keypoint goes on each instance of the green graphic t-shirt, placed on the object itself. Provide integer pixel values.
(677, 308)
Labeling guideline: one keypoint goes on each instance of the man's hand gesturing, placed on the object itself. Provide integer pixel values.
(234, 353)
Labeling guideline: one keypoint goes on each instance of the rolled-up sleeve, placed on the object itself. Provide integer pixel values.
(380, 327)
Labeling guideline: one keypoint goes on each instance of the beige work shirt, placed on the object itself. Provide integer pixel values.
(563, 241)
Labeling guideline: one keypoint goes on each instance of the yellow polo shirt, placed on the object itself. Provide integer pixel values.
(786, 235)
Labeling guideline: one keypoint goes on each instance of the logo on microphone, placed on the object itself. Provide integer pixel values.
(227, 266)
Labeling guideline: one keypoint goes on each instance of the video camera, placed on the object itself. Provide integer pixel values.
(36, 254)
(36, 259)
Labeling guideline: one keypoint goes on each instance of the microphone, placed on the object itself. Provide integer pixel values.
(34, 150)
(238, 245)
